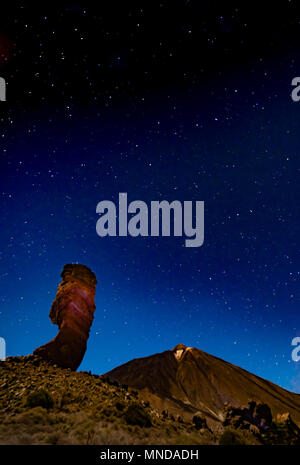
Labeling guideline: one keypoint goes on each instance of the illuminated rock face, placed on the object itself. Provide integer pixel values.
(179, 350)
(73, 312)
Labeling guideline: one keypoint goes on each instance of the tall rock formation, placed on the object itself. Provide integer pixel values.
(73, 312)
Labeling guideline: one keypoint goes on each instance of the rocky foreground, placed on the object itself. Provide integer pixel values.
(41, 403)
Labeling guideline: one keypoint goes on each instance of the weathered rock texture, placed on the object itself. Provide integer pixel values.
(256, 414)
(73, 312)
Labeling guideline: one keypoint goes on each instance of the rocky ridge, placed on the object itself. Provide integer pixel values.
(41, 403)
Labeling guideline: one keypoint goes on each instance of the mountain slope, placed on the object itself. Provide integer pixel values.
(186, 380)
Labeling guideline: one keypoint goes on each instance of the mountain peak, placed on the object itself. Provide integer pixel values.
(186, 380)
(179, 350)
(179, 347)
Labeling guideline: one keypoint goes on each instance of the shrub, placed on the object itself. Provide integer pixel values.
(199, 421)
(136, 415)
(230, 438)
(108, 411)
(120, 406)
(36, 415)
(39, 398)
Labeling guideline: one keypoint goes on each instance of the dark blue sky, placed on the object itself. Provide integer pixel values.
(232, 140)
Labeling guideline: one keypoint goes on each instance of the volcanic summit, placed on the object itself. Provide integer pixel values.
(186, 380)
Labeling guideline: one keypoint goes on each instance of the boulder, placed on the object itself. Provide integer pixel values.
(199, 421)
(256, 414)
(263, 415)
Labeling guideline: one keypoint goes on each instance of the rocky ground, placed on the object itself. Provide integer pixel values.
(41, 403)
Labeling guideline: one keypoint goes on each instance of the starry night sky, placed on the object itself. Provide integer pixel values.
(181, 100)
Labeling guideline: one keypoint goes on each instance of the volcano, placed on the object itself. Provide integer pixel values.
(186, 380)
